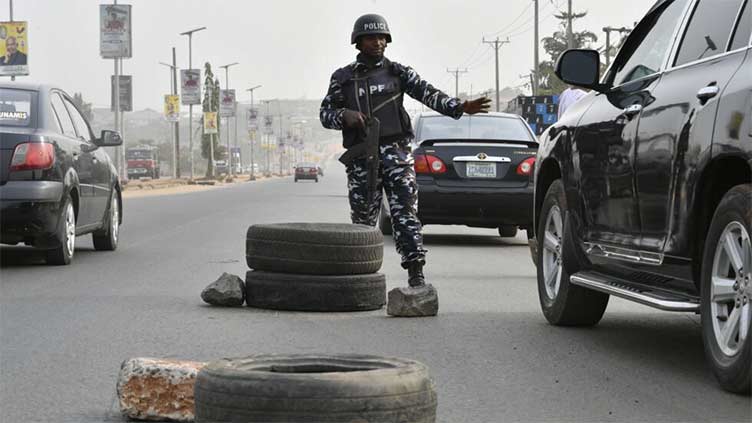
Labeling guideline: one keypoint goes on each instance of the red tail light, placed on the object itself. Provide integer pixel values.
(32, 156)
(526, 167)
(425, 163)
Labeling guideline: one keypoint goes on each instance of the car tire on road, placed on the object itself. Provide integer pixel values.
(315, 248)
(284, 291)
(63, 254)
(508, 231)
(107, 239)
(313, 388)
(563, 303)
(726, 291)
(385, 220)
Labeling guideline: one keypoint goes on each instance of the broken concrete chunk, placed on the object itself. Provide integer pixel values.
(157, 390)
(228, 290)
(413, 302)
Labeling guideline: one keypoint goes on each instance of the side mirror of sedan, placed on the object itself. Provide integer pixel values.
(109, 139)
(581, 68)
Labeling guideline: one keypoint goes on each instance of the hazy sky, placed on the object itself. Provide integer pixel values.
(292, 47)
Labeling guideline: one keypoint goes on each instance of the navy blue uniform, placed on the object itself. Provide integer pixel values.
(376, 89)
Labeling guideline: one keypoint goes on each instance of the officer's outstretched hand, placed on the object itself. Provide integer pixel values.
(354, 119)
(479, 105)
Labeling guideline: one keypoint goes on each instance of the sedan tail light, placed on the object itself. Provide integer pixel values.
(526, 167)
(426, 163)
(32, 156)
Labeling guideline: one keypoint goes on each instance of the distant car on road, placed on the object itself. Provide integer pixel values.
(56, 182)
(306, 171)
(142, 161)
(220, 167)
(476, 171)
(643, 188)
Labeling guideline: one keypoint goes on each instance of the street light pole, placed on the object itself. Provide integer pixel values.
(190, 106)
(227, 121)
(253, 171)
(174, 132)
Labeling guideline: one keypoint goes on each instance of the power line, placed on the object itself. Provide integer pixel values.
(513, 21)
(457, 72)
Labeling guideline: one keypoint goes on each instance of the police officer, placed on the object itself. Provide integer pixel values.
(374, 86)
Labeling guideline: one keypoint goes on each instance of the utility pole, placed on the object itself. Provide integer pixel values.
(176, 171)
(608, 30)
(190, 106)
(173, 133)
(457, 72)
(227, 120)
(536, 47)
(497, 45)
(253, 172)
(570, 34)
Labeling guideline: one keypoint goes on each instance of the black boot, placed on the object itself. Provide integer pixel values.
(415, 275)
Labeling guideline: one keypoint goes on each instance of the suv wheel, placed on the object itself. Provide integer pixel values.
(726, 289)
(63, 254)
(562, 303)
(107, 239)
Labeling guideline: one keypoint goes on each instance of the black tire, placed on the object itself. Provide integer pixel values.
(733, 369)
(570, 305)
(315, 248)
(107, 239)
(284, 291)
(317, 180)
(313, 388)
(63, 254)
(296, 180)
(508, 231)
(385, 220)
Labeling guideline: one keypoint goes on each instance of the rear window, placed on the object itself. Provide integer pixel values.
(16, 107)
(473, 127)
(138, 154)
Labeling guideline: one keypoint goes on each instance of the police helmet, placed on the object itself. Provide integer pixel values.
(370, 24)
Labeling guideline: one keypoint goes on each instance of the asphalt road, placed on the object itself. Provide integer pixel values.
(65, 330)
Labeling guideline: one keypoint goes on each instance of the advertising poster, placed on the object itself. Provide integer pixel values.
(210, 123)
(252, 119)
(115, 31)
(226, 103)
(14, 48)
(126, 93)
(172, 108)
(190, 86)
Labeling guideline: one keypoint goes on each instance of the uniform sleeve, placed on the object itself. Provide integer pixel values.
(332, 107)
(427, 94)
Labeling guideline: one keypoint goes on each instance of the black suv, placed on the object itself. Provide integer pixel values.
(56, 182)
(643, 189)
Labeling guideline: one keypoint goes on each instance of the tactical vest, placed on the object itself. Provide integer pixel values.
(377, 93)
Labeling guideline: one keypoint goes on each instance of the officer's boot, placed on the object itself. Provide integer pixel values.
(415, 275)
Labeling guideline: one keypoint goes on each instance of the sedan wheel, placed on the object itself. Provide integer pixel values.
(552, 268)
(63, 254)
(107, 238)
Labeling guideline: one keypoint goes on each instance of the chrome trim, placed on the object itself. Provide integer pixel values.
(478, 144)
(706, 59)
(623, 254)
(597, 284)
(486, 160)
(735, 25)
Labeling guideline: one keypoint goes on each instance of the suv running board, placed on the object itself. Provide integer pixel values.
(637, 293)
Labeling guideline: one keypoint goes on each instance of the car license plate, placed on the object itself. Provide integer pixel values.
(481, 170)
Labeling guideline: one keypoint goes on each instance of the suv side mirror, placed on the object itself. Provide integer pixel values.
(581, 68)
(109, 139)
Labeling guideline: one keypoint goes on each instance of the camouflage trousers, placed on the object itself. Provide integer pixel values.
(397, 179)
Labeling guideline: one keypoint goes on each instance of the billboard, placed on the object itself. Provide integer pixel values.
(14, 48)
(226, 103)
(252, 119)
(126, 93)
(115, 31)
(210, 123)
(172, 108)
(190, 86)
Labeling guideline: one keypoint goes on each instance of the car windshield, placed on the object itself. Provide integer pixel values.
(15, 107)
(473, 127)
(138, 154)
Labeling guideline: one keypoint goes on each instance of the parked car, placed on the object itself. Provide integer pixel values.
(56, 182)
(306, 171)
(475, 171)
(643, 189)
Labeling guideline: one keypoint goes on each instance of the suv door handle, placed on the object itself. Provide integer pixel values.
(632, 110)
(707, 93)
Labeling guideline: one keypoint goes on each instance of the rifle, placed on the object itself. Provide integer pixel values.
(367, 148)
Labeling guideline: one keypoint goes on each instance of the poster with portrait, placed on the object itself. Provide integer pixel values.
(14, 48)
(210, 123)
(190, 86)
(226, 103)
(172, 108)
(252, 119)
(115, 31)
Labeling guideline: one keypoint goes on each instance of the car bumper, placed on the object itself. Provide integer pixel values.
(480, 207)
(29, 212)
(306, 177)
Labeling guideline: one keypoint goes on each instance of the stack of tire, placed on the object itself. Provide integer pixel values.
(315, 267)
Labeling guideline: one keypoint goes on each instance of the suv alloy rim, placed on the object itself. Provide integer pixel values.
(70, 229)
(114, 218)
(552, 252)
(731, 289)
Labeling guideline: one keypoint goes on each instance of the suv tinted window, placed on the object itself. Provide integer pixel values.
(78, 121)
(708, 31)
(66, 125)
(743, 29)
(647, 47)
